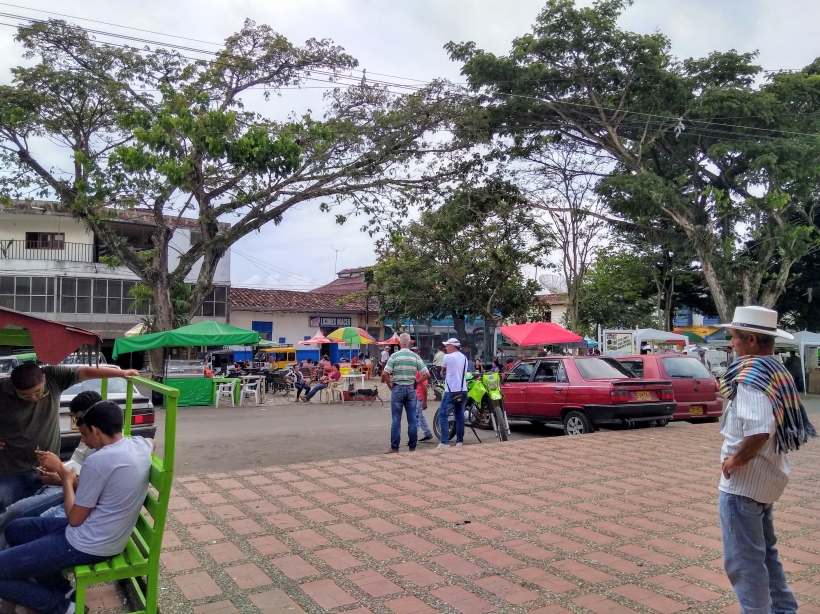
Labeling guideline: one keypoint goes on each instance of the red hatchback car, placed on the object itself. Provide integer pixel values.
(695, 388)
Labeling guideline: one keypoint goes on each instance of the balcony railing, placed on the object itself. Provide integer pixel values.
(27, 250)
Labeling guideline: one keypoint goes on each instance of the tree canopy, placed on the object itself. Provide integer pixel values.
(727, 153)
(463, 259)
(171, 136)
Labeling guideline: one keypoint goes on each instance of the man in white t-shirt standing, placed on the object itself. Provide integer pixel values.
(383, 359)
(764, 421)
(454, 369)
(101, 517)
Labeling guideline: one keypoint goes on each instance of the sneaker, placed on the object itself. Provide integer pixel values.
(443, 446)
(392, 451)
(459, 445)
(426, 438)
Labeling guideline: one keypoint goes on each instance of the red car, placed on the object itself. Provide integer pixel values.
(695, 388)
(582, 392)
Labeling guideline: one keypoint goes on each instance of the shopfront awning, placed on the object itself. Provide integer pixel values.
(202, 333)
(52, 341)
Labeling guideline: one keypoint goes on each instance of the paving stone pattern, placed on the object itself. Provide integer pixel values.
(614, 522)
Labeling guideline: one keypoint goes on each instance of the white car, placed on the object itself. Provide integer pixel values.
(142, 411)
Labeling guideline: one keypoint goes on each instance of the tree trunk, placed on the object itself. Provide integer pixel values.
(725, 306)
(461, 328)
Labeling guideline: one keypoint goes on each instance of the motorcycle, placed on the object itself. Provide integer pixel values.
(484, 408)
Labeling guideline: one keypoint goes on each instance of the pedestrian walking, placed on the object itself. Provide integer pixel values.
(454, 370)
(385, 356)
(764, 421)
(400, 376)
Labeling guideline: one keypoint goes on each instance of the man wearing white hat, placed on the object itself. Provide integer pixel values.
(454, 371)
(764, 421)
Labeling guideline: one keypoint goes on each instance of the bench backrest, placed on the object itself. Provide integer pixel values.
(148, 533)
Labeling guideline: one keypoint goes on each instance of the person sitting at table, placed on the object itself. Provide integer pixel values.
(333, 376)
(354, 361)
(299, 384)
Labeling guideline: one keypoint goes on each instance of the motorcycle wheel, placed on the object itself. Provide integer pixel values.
(501, 422)
(437, 428)
(438, 391)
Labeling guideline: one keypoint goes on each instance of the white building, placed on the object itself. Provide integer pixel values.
(50, 267)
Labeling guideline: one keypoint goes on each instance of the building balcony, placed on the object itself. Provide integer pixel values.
(62, 251)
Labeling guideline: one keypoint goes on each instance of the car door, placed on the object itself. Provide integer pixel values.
(514, 386)
(547, 393)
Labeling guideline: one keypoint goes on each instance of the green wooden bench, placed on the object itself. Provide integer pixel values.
(139, 562)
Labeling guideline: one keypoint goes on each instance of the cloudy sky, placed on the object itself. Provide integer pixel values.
(406, 39)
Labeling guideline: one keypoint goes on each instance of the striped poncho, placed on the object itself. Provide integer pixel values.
(768, 375)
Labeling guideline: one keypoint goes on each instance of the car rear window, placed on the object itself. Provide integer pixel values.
(601, 368)
(635, 367)
(116, 385)
(685, 367)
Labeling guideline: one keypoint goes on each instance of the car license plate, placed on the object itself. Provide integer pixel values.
(696, 410)
(74, 426)
(643, 395)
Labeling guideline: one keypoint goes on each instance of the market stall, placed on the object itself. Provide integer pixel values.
(810, 367)
(188, 376)
(540, 333)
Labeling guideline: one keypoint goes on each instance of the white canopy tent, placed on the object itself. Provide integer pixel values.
(802, 340)
(653, 334)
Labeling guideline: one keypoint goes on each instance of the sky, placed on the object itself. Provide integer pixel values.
(406, 39)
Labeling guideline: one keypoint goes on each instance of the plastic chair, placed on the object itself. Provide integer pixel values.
(250, 388)
(333, 390)
(226, 389)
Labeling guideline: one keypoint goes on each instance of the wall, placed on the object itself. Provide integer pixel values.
(181, 243)
(16, 225)
(557, 314)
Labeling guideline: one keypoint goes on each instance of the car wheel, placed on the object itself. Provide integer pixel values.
(663, 422)
(577, 423)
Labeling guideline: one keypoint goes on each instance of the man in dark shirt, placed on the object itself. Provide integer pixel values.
(30, 421)
(795, 367)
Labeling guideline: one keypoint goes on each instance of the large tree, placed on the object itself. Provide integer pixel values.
(731, 163)
(463, 259)
(170, 135)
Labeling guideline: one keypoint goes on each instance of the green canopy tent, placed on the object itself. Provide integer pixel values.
(201, 333)
(192, 391)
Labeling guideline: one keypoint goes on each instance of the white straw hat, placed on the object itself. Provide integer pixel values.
(757, 320)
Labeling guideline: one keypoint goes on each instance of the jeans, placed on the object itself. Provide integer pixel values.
(39, 550)
(750, 557)
(421, 420)
(16, 487)
(403, 397)
(449, 405)
(301, 386)
(30, 507)
(314, 391)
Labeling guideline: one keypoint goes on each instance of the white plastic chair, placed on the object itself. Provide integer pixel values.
(250, 388)
(225, 389)
(333, 389)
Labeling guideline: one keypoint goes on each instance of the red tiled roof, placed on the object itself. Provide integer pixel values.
(344, 285)
(358, 269)
(554, 299)
(289, 300)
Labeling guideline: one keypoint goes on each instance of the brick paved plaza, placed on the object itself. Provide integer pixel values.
(614, 522)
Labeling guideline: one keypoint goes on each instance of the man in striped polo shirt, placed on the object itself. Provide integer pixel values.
(764, 421)
(400, 376)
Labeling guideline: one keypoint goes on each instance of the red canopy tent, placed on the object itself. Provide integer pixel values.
(394, 340)
(539, 333)
(317, 339)
(52, 341)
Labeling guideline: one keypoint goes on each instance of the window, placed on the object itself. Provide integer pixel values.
(521, 373)
(214, 304)
(635, 367)
(282, 340)
(265, 329)
(550, 371)
(27, 294)
(99, 296)
(685, 367)
(45, 240)
(601, 368)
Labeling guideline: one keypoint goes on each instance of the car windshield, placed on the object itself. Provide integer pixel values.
(116, 385)
(685, 367)
(6, 365)
(601, 368)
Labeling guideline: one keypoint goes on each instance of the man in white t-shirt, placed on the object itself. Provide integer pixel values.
(454, 369)
(101, 517)
(383, 359)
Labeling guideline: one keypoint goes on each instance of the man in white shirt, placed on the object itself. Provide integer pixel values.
(762, 423)
(383, 359)
(454, 369)
(101, 516)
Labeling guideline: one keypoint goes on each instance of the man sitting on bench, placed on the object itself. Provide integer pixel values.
(101, 517)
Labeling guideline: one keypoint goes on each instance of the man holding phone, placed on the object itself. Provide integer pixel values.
(30, 421)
